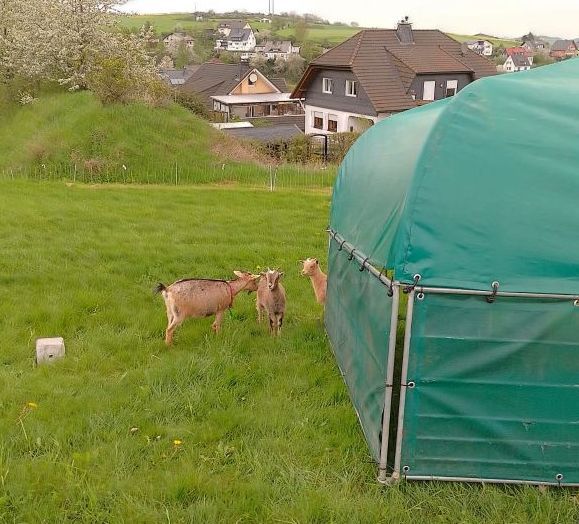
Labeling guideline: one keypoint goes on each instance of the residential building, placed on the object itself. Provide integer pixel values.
(517, 62)
(520, 50)
(237, 91)
(534, 45)
(237, 36)
(379, 72)
(277, 50)
(562, 49)
(482, 47)
(177, 77)
(265, 20)
(174, 40)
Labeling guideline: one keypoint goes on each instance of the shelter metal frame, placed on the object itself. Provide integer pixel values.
(414, 291)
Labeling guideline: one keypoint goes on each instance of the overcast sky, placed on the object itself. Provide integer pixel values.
(496, 17)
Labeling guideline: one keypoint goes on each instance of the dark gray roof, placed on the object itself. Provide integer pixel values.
(266, 134)
(520, 60)
(561, 45)
(283, 46)
(212, 79)
(239, 35)
(280, 83)
(178, 76)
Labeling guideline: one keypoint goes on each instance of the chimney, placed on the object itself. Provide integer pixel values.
(404, 31)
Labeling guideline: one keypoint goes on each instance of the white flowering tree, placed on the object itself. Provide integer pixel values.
(73, 42)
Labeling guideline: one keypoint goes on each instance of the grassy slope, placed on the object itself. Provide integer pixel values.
(504, 42)
(268, 432)
(59, 125)
(130, 143)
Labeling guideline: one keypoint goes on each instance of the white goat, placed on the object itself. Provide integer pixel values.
(311, 268)
(199, 298)
(271, 298)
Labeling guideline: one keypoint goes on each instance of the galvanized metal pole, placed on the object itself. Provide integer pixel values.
(382, 473)
(510, 294)
(403, 383)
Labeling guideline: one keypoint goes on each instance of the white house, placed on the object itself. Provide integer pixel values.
(238, 37)
(482, 47)
(265, 20)
(174, 40)
(516, 62)
(277, 50)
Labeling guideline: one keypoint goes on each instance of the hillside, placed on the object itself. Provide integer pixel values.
(498, 42)
(166, 23)
(317, 32)
(74, 131)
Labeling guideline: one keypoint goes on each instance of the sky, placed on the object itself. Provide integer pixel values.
(496, 17)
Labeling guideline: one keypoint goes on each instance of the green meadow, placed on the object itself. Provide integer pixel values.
(235, 427)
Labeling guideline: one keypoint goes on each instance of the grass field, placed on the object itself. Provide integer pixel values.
(266, 428)
(497, 42)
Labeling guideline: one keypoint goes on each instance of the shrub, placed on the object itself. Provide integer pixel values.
(110, 81)
(192, 102)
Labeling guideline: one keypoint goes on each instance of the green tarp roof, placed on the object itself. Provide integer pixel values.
(480, 187)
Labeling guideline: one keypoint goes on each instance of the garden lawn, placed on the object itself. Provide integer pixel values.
(235, 427)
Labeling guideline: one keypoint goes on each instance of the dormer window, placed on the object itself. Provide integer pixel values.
(351, 88)
(328, 86)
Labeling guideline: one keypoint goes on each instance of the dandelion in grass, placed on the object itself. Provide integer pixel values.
(31, 405)
(177, 443)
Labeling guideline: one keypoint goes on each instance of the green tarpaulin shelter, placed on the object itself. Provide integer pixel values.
(469, 207)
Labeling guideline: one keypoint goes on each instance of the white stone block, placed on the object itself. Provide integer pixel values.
(49, 349)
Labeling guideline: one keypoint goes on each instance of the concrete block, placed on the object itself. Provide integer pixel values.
(49, 349)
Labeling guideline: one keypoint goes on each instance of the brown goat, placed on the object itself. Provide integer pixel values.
(197, 298)
(311, 268)
(271, 298)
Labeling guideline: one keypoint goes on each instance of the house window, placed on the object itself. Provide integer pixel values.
(451, 87)
(318, 120)
(328, 86)
(351, 88)
(429, 88)
(333, 123)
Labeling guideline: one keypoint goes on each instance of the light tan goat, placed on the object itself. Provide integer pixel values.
(197, 298)
(271, 298)
(311, 268)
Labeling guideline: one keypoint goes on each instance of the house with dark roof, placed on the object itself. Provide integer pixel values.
(562, 49)
(177, 77)
(277, 50)
(482, 47)
(534, 45)
(239, 92)
(379, 72)
(517, 61)
(236, 36)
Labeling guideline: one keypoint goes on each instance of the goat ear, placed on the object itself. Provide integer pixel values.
(238, 274)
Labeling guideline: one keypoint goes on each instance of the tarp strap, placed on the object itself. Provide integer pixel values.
(495, 287)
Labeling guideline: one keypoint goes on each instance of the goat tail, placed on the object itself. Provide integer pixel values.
(159, 288)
